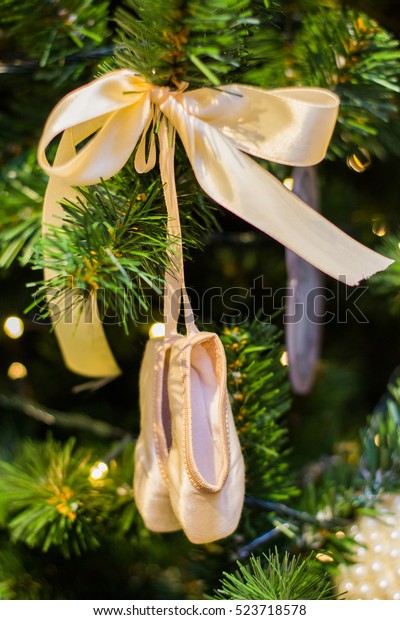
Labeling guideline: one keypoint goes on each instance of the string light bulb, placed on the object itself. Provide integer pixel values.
(324, 557)
(13, 327)
(17, 371)
(289, 183)
(284, 359)
(359, 161)
(379, 228)
(98, 471)
(157, 330)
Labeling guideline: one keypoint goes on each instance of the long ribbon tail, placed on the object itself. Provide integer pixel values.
(78, 328)
(103, 109)
(242, 186)
(304, 303)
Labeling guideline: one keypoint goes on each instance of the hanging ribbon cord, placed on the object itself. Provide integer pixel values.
(174, 287)
(219, 129)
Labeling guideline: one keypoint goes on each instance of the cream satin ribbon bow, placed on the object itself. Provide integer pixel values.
(291, 126)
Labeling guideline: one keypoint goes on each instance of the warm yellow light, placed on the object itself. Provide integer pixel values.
(377, 440)
(359, 161)
(284, 359)
(13, 327)
(157, 330)
(379, 228)
(289, 183)
(99, 471)
(17, 371)
(323, 557)
(340, 534)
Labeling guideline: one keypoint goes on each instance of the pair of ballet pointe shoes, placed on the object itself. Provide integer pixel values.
(189, 470)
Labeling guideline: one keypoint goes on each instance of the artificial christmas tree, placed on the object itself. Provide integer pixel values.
(59, 500)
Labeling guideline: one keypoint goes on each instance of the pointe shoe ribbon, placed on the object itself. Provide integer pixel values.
(217, 127)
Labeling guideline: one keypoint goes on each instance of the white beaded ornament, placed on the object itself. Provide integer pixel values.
(376, 574)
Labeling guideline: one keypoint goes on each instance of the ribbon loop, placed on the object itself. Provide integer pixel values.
(145, 163)
(114, 110)
(243, 187)
(292, 126)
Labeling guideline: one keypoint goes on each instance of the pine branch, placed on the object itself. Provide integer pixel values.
(195, 41)
(351, 54)
(50, 499)
(380, 458)
(21, 190)
(352, 486)
(146, 38)
(262, 540)
(218, 31)
(113, 241)
(271, 579)
(291, 513)
(333, 499)
(16, 583)
(70, 420)
(43, 57)
(108, 243)
(387, 283)
(259, 392)
(55, 31)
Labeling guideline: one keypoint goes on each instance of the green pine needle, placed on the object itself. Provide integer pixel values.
(217, 40)
(387, 283)
(113, 241)
(168, 42)
(147, 32)
(347, 485)
(351, 54)
(259, 390)
(107, 245)
(55, 29)
(48, 498)
(16, 583)
(21, 190)
(380, 439)
(271, 579)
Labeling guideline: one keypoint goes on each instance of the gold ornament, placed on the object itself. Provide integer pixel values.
(376, 573)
